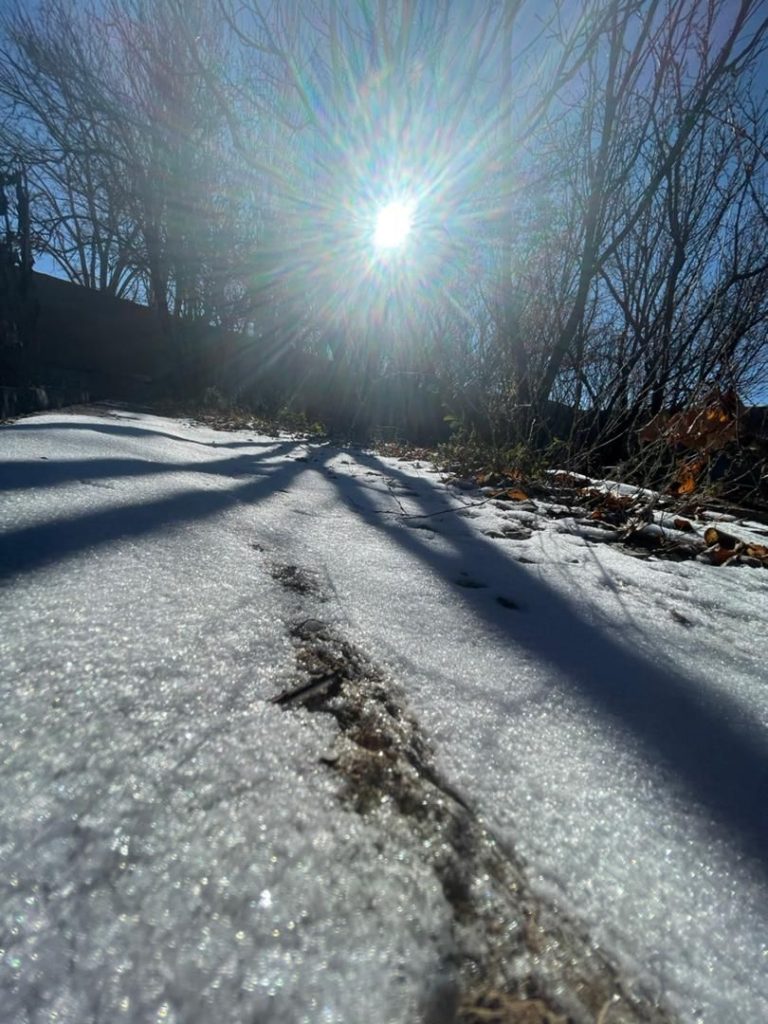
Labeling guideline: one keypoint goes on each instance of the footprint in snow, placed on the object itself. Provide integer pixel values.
(509, 531)
(425, 527)
(469, 583)
(472, 584)
(682, 619)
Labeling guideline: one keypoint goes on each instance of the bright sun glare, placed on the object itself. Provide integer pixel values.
(393, 224)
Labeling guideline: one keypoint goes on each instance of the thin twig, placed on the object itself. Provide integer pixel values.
(602, 1017)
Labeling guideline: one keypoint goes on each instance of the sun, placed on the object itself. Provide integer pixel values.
(393, 225)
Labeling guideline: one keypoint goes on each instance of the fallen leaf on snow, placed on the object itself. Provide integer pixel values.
(683, 524)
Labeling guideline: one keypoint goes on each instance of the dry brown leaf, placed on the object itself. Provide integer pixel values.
(688, 473)
(608, 500)
(618, 502)
(686, 482)
(691, 510)
(710, 426)
(565, 479)
(718, 556)
(516, 494)
(683, 524)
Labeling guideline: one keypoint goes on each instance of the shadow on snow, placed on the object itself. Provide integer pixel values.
(707, 740)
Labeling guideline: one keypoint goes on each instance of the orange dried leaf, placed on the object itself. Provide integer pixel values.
(686, 483)
(515, 494)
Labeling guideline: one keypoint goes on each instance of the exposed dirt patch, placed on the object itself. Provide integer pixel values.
(513, 959)
(499, 1008)
(294, 577)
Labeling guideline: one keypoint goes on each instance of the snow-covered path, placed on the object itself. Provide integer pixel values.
(173, 846)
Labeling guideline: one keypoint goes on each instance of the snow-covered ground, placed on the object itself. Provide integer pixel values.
(173, 846)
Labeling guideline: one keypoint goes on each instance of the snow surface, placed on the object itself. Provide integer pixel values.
(172, 848)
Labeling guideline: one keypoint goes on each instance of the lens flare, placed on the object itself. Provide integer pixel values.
(393, 225)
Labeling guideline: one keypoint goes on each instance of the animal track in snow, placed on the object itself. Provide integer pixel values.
(469, 583)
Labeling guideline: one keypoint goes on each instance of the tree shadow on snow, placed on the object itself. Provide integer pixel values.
(126, 430)
(707, 739)
(32, 547)
(19, 476)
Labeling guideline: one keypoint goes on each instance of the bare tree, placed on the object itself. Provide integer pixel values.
(132, 184)
(644, 107)
(589, 187)
(53, 84)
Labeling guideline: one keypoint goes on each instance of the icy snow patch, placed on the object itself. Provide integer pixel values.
(608, 717)
(172, 848)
